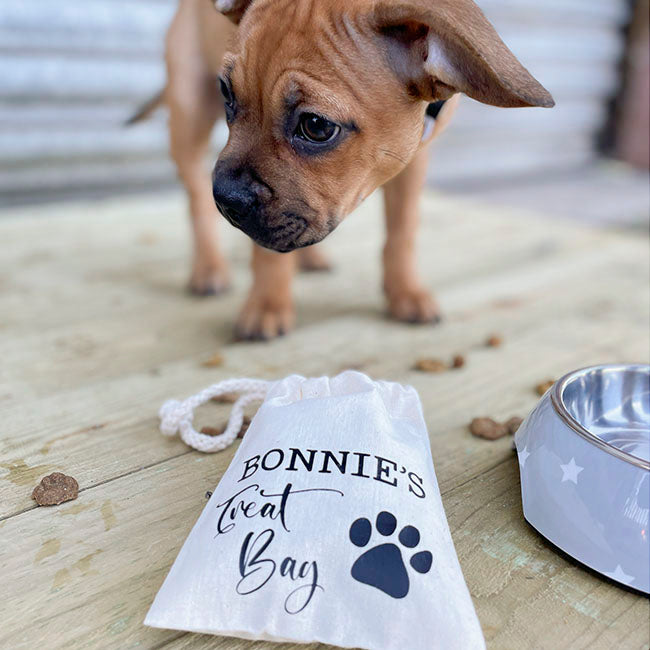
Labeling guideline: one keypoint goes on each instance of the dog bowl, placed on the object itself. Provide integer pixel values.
(584, 462)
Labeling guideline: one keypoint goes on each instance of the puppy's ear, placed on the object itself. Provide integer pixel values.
(232, 9)
(441, 47)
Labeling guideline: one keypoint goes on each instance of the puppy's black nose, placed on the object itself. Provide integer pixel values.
(234, 196)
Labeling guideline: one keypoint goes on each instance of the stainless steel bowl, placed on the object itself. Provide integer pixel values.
(584, 460)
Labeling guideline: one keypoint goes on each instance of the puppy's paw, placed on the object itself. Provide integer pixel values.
(312, 259)
(413, 306)
(209, 279)
(264, 318)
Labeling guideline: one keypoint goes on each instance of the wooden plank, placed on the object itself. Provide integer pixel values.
(102, 431)
(93, 289)
(526, 594)
(90, 357)
(82, 578)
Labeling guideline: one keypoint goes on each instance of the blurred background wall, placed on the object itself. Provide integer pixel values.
(73, 70)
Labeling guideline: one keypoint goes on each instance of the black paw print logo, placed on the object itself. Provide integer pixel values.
(382, 566)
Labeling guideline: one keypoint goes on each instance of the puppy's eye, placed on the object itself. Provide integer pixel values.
(314, 128)
(226, 92)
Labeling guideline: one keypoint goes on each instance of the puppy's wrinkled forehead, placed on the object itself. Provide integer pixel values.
(290, 51)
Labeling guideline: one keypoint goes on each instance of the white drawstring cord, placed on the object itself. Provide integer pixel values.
(176, 416)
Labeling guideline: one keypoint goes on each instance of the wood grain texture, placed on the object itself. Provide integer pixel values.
(95, 332)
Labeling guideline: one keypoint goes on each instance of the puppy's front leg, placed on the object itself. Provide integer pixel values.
(268, 311)
(189, 142)
(407, 299)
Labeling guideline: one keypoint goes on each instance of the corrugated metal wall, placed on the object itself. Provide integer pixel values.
(72, 70)
(574, 48)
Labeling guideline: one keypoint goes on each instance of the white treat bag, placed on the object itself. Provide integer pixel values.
(327, 526)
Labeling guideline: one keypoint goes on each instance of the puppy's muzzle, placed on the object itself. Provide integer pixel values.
(235, 199)
(245, 201)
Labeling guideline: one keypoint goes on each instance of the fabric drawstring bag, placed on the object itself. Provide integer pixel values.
(327, 526)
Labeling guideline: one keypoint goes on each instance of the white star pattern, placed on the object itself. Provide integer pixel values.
(570, 471)
(619, 575)
(523, 455)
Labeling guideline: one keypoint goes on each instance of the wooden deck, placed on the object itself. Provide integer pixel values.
(95, 333)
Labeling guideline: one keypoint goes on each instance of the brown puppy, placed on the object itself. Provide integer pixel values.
(326, 101)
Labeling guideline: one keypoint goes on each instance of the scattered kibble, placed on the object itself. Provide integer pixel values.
(430, 365)
(211, 431)
(437, 365)
(54, 489)
(217, 431)
(226, 398)
(458, 361)
(488, 428)
(543, 386)
(244, 427)
(494, 341)
(492, 430)
(213, 362)
(513, 424)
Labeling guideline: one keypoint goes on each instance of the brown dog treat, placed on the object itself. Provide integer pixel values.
(217, 431)
(227, 398)
(494, 341)
(513, 424)
(213, 362)
(543, 386)
(244, 427)
(458, 361)
(488, 428)
(211, 431)
(430, 365)
(55, 489)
